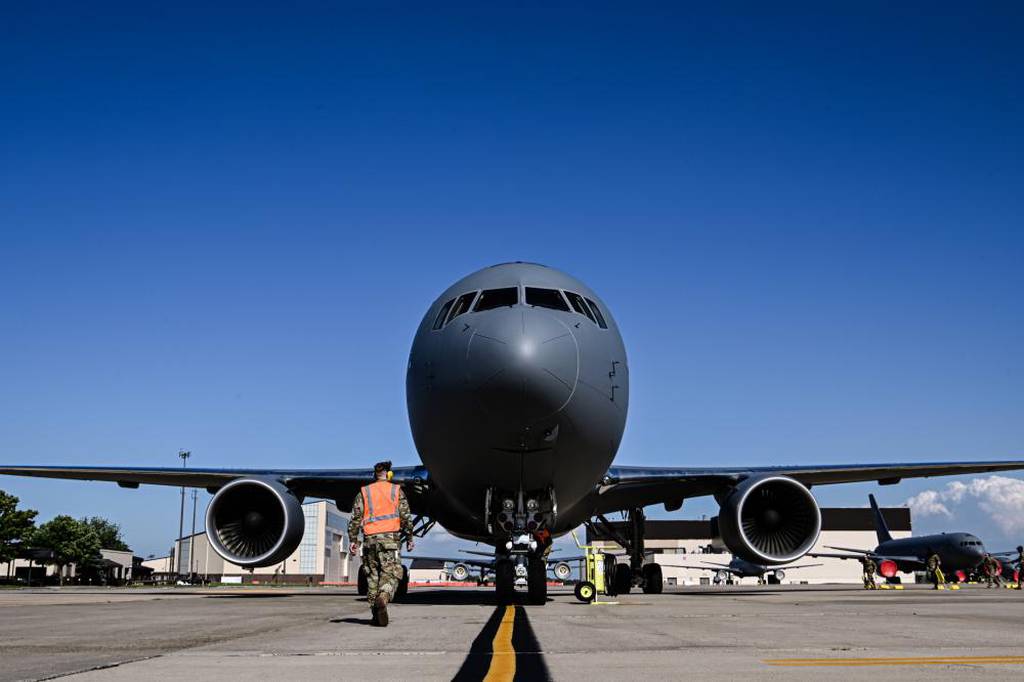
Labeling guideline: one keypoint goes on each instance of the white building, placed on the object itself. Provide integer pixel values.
(321, 558)
(676, 543)
(116, 568)
(428, 571)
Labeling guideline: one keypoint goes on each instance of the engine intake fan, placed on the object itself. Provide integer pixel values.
(769, 520)
(254, 522)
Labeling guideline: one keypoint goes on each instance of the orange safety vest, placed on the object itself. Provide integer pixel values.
(380, 508)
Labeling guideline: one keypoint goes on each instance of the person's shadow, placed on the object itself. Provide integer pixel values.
(353, 620)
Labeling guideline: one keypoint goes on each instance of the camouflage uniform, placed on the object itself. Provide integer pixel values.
(991, 568)
(935, 570)
(869, 574)
(380, 550)
(1020, 568)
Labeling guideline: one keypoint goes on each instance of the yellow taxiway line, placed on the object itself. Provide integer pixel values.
(910, 660)
(503, 658)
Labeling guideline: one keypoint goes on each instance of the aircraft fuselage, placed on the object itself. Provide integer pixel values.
(517, 391)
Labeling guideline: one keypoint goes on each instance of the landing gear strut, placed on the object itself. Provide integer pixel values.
(537, 580)
(646, 576)
(505, 581)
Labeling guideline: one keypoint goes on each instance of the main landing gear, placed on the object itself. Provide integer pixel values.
(637, 573)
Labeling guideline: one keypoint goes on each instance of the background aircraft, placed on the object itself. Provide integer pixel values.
(958, 551)
(517, 388)
(741, 568)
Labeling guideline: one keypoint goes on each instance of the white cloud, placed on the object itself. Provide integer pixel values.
(928, 503)
(1000, 497)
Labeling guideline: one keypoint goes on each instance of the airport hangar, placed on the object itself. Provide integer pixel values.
(690, 542)
(322, 557)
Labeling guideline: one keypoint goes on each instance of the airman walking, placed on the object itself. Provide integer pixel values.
(869, 573)
(935, 571)
(381, 512)
(991, 569)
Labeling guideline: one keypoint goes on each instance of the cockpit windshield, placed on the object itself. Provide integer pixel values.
(580, 306)
(546, 298)
(462, 304)
(497, 298)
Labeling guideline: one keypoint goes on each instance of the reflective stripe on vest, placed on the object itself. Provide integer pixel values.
(380, 508)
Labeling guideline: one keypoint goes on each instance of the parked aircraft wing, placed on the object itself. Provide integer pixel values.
(714, 568)
(790, 568)
(871, 555)
(456, 560)
(866, 552)
(340, 485)
(625, 487)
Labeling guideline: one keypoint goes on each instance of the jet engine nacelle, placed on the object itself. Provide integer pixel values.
(254, 522)
(769, 519)
(888, 568)
(562, 570)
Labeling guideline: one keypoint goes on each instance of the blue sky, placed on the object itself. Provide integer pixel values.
(219, 228)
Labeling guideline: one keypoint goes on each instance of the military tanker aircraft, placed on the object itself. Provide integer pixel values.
(517, 389)
(960, 553)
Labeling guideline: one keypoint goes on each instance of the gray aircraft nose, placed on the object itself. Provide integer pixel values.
(523, 364)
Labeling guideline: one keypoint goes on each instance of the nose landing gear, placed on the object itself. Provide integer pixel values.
(525, 517)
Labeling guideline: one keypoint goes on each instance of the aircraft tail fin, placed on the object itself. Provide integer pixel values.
(881, 529)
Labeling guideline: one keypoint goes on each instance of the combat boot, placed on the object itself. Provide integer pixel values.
(381, 610)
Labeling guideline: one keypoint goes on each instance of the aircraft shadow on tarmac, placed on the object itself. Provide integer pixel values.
(755, 591)
(248, 596)
(452, 597)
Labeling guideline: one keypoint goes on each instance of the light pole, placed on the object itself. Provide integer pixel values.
(192, 538)
(184, 454)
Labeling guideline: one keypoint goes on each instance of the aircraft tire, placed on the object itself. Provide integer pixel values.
(623, 578)
(362, 584)
(505, 582)
(609, 575)
(653, 581)
(585, 591)
(537, 581)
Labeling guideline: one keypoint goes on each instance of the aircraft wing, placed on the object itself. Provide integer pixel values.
(339, 485)
(626, 487)
(862, 553)
(714, 568)
(790, 568)
(480, 563)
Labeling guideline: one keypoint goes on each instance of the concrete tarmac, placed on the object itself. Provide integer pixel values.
(770, 632)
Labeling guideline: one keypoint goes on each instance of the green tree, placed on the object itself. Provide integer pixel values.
(72, 542)
(15, 525)
(108, 532)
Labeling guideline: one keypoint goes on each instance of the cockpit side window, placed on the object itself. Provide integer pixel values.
(580, 306)
(546, 298)
(597, 313)
(497, 298)
(462, 304)
(439, 321)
